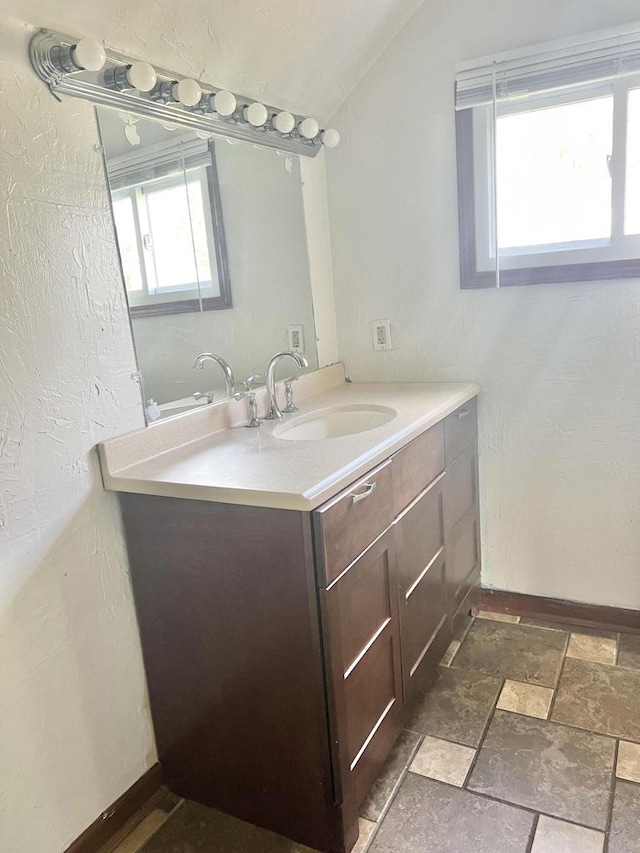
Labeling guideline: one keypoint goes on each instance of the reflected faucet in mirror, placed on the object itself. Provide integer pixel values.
(229, 379)
(273, 411)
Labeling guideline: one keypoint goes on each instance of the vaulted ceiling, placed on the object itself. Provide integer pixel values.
(306, 55)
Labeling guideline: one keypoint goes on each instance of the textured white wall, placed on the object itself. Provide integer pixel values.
(304, 55)
(74, 724)
(559, 366)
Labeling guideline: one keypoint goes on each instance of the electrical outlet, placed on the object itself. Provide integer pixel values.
(382, 334)
(296, 338)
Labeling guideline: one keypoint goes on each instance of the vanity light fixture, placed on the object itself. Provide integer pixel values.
(256, 114)
(223, 102)
(283, 122)
(83, 68)
(137, 75)
(85, 55)
(309, 128)
(330, 138)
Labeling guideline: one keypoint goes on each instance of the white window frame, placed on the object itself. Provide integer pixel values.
(146, 256)
(620, 246)
(605, 62)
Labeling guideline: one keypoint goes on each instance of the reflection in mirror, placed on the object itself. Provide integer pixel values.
(213, 249)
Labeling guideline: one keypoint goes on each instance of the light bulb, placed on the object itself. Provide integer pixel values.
(284, 122)
(88, 55)
(309, 128)
(330, 137)
(187, 92)
(224, 103)
(256, 114)
(141, 76)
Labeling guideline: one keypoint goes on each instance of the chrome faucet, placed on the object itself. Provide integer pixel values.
(229, 380)
(273, 412)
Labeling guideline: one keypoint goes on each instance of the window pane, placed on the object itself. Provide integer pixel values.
(632, 188)
(128, 243)
(171, 236)
(553, 180)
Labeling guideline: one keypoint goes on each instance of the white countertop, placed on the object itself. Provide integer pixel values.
(254, 467)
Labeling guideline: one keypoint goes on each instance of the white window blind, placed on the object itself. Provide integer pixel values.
(561, 64)
(155, 161)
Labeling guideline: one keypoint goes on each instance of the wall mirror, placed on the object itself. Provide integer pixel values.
(213, 249)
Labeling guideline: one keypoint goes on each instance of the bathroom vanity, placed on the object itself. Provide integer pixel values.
(291, 613)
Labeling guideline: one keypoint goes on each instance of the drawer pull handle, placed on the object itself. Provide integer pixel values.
(463, 413)
(369, 489)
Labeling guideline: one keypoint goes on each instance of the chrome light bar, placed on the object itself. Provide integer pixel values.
(83, 68)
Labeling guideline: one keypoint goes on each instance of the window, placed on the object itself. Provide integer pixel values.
(549, 165)
(170, 234)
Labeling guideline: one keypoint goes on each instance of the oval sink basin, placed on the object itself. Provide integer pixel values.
(335, 422)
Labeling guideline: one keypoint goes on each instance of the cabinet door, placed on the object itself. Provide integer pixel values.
(462, 527)
(360, 633)
(421, 583)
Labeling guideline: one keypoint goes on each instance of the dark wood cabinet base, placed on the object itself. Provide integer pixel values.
(284, 650)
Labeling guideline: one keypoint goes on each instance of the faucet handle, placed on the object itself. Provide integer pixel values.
(290, 406)
(250, 396)
(249, 383)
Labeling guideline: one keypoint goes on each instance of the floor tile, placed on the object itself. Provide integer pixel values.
(384, 787)
(629, 651)
(568, 629)
(498, 617)
(169, 802)
(596, 649)
(546, 767)
(196, 829)
(599, 698)
(556, 836)
(426, 815)
(143, 832)
(624, 836)
(628, 766)
(528, 699)
(518, 652)
(366, 828)
(444, 761)
(452, 650)
(458, 706)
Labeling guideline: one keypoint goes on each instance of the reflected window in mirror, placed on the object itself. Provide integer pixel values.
(169, 226)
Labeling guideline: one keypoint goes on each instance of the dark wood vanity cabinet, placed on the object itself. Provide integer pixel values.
(284, 650)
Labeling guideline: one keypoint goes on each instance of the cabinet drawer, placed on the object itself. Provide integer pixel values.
(420, 534)
(423, 611)
(460, 429)
(348, 523)
(463, 560)
(416, 465)
(461, 488)
(362, 648)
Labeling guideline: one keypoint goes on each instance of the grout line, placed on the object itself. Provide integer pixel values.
(399, 781)
(618, 641)
(556, 686)
(532, 836)
(483, 735)
(612, 792)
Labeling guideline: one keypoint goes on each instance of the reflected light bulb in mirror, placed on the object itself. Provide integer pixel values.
(141, 76)
(256, 114)
(224, 103)
(330, 137)
(309, 128)
(284, 122)
(88, 55)
(186, 92)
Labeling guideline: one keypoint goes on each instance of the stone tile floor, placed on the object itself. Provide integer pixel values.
(529, 742)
